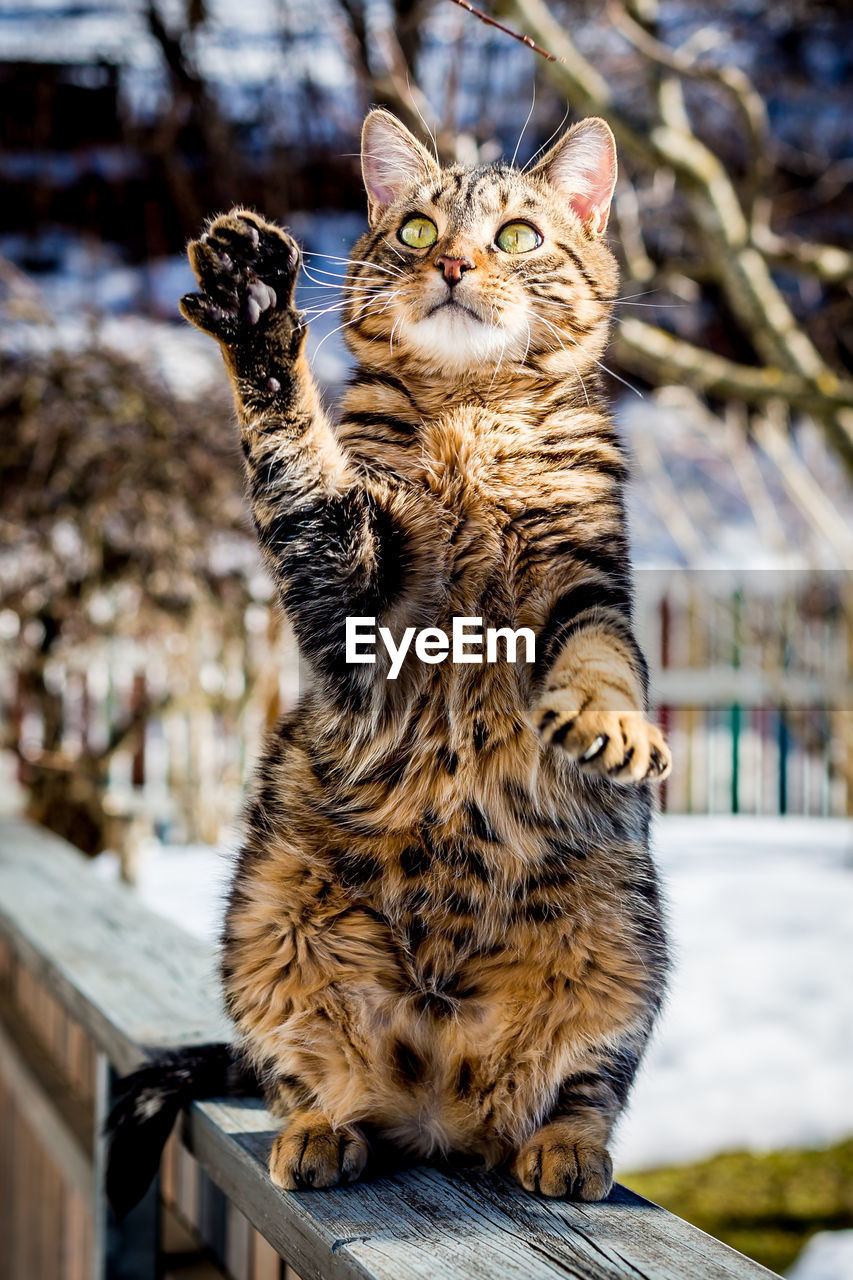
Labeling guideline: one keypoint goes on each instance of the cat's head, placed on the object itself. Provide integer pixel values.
(465, 269)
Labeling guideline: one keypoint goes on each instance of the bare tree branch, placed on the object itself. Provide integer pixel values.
(722, 228)
(829, 262)
(659, 356)
(733, 80)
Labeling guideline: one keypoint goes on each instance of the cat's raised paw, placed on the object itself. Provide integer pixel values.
(309, 1153)
(620, 744)
(552, 1164)
(247, 270)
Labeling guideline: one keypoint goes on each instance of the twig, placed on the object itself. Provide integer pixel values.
(493, 22)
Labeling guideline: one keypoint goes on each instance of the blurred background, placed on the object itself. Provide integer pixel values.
(142, 655)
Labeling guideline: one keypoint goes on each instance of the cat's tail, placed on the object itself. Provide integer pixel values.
(147, 1103)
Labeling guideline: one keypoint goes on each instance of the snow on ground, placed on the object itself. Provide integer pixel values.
(186, 883)
(827, 1256)
(755, 1048)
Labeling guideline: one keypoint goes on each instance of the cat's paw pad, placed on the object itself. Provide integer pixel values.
(310, 1153)
(551, 1164)
(619, 744)
(247, 270)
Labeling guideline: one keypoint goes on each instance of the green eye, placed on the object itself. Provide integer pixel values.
(418, 232)
(518, 237)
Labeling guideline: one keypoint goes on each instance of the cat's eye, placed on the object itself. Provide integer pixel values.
(518, 237)
(418, 232)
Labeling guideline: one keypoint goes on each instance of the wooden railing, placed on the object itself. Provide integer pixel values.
(92, 984)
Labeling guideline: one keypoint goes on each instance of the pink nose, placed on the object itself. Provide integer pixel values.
(453, 268)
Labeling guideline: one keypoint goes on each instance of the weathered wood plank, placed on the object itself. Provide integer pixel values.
(421, 1223)
(132, 979)
(266, 1263)
(238, 1244)
(77, 1237)
(44, 1102)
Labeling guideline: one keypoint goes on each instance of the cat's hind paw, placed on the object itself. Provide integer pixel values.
(247, 270)
(553, 1164)
(620, 744)
(309, 1153)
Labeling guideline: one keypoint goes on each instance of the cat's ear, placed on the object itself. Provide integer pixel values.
(392, 160)
(582, 167)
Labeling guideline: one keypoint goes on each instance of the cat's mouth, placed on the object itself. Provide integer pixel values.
(455, 305)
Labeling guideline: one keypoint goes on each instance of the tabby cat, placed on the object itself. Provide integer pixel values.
(444, 930)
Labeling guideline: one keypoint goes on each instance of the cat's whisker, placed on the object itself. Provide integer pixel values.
(353, 290)
(500, 360)
(603, 366)
(343, 282)
(327, 305)
(527, 345)
(342, 276)
(430, 132)
(393, 331)
(524, 126)
(347, 275)
(359, 315)
(547, 143)
(344, 289)
(662, 306)
(625, 300)
(600, 363)
(345, 302)
(352, 262)
(556, 333)
(318, 315)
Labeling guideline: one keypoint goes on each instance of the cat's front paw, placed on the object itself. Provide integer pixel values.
(310, 1153)
(247, 270)
(554, 1163)
(620, 744)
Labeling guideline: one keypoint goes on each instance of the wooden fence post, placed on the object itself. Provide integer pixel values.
(130, 1249)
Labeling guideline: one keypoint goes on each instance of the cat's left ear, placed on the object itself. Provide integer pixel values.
(392, 160)
(582, 167)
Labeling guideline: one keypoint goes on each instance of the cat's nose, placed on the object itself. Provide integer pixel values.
(453, 268)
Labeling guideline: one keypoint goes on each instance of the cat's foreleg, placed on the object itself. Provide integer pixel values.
(568, 1156)
(336, 543)
(593, 702)
(309, 1152)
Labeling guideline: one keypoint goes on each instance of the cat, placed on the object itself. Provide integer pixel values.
(444, 930)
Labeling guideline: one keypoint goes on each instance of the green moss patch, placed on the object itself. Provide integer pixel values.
(766, 1206)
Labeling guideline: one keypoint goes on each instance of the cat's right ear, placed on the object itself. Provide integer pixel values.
(392, 160)
(582, 167)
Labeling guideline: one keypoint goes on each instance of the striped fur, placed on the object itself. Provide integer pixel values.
(444, 930)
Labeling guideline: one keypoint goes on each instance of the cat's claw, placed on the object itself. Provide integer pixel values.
(247, 270)
(620, 744)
